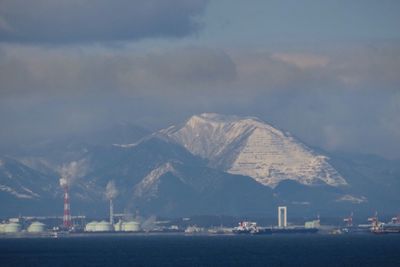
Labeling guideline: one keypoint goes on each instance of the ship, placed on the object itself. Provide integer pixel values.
(246, 227)
(392, 227)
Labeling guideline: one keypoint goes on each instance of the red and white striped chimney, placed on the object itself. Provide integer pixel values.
(67, 213)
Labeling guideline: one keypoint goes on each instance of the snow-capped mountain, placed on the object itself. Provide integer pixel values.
(211, 164)
(251, 147)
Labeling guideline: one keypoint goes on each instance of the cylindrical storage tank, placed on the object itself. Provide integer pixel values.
(36, 227)
(118, 226)
(131, 226)
(91, 227)
(104, 226)
(10, 228)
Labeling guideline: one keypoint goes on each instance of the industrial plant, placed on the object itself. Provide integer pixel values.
(120, 223)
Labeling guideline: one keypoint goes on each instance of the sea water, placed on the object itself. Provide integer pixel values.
(181, 250)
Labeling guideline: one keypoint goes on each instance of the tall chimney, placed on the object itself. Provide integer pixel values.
(67, 213)
(111, 212)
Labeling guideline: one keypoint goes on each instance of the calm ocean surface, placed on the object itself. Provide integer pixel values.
(179, 250)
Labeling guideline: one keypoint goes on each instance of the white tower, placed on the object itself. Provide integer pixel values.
(282, 216)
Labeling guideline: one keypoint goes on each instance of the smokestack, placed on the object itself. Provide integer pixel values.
(111, 193)
(67, 211)
(111, 212)
(69, 173)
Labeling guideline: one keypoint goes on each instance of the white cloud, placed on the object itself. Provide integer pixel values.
(302, 61)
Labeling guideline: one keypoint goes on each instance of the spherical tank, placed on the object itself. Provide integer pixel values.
(91, 227)
(104, 226)
(12, 228)
(131, 226)
(36, 227)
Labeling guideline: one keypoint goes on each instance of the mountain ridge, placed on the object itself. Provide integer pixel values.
(158, 175)
(251, 147)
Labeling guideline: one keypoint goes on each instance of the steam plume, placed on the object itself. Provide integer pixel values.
(111, 190)
(149, 223)
(72, 171)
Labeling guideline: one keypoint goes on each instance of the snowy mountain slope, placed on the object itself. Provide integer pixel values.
(22, 182)
(250, 147)
(158, 176)
(149, 185)
(24, 190)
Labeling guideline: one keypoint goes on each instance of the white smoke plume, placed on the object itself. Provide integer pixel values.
(149, 223)
(72, 171)
(111, 190)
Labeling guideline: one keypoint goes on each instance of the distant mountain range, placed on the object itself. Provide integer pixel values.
(211, 164)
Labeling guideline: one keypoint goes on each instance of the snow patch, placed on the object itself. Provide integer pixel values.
(15, 193)
(149, 185)
(125, 145)
(251, 147)
(30, 192)
(304, 203)
(352, 199)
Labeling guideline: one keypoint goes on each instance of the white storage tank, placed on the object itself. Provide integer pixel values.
(118, 226)
(12, 227)
(36, 227)
(91, 227)
(132, 226)
(104, 226)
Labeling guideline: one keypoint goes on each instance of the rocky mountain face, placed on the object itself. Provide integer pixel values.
(23, 189)
(212, 164)
(250, 147)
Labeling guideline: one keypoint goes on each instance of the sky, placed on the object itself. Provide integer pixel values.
(326, 71)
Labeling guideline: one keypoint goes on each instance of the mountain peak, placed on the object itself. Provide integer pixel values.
(220, 118)
(251, 147)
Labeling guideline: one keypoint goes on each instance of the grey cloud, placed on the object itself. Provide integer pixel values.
(57, 90)
(263, 71)
(200, 70)
(65, 71)
(356, 121)
(174, 71)
(360, 67)
(368, 66)
(72, 21)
